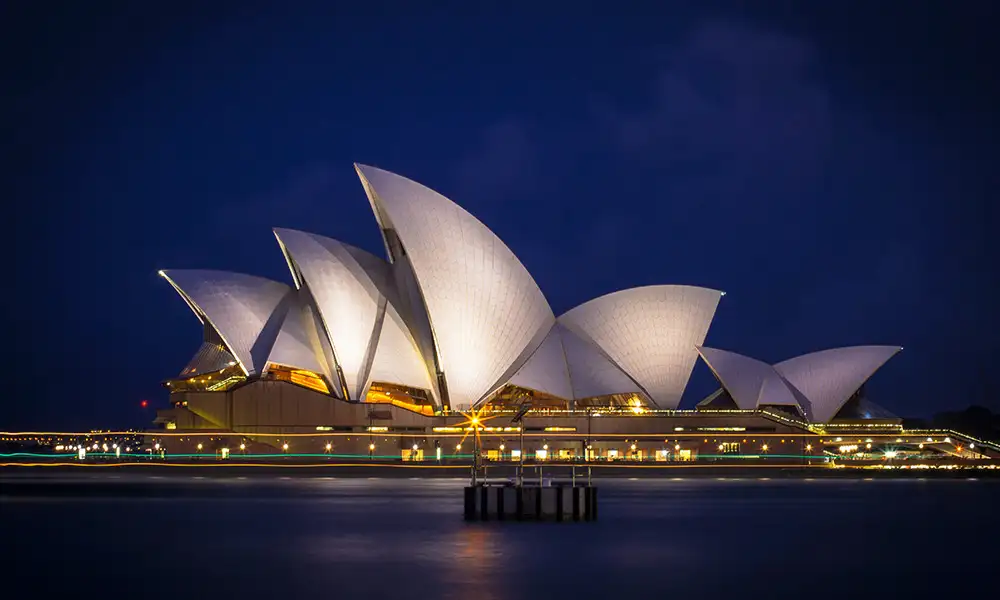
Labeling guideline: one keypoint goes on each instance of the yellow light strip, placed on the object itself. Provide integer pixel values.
(486, 431)
(360, 463)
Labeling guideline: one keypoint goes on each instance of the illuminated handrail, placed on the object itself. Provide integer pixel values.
(786, 419)
(987, 443)
(618, 411)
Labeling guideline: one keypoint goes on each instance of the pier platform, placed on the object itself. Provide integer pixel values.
(556, 501)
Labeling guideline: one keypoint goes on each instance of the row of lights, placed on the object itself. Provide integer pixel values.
(94, 447)
(371, 447)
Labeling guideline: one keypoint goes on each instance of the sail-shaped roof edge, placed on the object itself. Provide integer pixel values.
(484, 308)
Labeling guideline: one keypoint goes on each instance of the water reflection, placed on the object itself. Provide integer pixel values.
(355, 538)
(474, 563)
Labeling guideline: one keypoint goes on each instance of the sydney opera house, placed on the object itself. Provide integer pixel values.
(363, 350)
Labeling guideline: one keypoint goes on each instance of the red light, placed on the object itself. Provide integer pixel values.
(144, 403)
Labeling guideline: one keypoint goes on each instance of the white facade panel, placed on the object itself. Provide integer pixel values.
(591, 374)
(830, 377)
(775, 390)
(209, 357)
(546, 370)
(650, 332)
(245, 310)
(485, 310)
(397, 358)
(346, 298)
(411, 308)
(297, 344)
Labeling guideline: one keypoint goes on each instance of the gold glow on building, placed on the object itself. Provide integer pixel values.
(300, 377)
(215, 381)
(413, 399)
(511, 396)
(633, 402)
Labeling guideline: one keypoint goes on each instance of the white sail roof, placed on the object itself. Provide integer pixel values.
(650, 333)
(397, 359)
(546, 370)
(352, 292)
(830, 377)
(485, 310)
(742, 376)
(591, 373)
(298, 343)
(246, 311)
(818, 384)
(776, 390)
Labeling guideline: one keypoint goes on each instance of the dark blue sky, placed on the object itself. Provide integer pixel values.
(831, 165)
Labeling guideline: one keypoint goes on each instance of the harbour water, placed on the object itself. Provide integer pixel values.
(281, 538)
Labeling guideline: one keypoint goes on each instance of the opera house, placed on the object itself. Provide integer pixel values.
(364, 351)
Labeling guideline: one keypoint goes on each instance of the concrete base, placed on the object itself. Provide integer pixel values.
(530, 503)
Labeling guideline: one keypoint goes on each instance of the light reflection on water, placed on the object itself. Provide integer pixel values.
(401, 538)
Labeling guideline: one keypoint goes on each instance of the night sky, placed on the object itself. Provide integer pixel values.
(833, 166)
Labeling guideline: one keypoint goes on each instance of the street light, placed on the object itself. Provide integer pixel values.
(590, 416)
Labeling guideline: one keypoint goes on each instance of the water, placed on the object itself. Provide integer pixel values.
(396, 538)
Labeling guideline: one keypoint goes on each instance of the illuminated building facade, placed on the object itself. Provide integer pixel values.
(451, 320)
